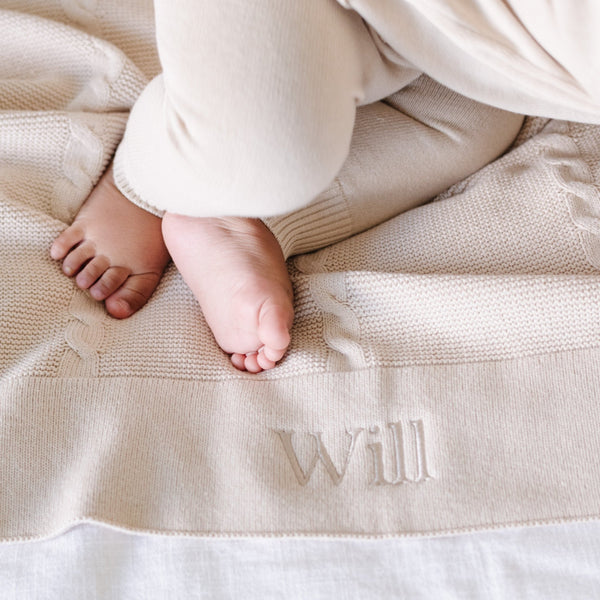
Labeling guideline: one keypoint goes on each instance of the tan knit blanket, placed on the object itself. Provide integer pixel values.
(444, 373)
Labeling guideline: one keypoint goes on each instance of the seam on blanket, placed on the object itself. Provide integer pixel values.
(63, 375)
(101, 522)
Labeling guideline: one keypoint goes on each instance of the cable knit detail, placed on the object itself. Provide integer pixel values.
(573, 157)
(83, 334)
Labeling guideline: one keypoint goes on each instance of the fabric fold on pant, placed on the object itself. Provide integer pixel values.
(539, 59)
(254, 111)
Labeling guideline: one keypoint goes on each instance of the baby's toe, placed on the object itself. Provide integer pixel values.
(67, 240)
(132, 295)
(273, 354)
(238, 361)
(246, 362)
(77, 258)
(275, 322)
(251, 363)
(264, 362)
(92, 271)
(110, 281)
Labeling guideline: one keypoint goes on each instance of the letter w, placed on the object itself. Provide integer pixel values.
(321, 454)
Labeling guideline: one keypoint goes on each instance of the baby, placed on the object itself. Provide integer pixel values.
(255, 115)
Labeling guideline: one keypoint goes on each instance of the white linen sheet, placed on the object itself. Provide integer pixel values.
(554, 562)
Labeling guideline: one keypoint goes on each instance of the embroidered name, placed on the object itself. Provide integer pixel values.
(408, 467)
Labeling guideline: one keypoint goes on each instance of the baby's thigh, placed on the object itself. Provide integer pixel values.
(267, 87)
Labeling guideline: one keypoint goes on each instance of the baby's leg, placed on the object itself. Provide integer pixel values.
(405, 150)
(253, 116)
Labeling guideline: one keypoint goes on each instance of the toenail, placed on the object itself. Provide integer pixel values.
(125, 306)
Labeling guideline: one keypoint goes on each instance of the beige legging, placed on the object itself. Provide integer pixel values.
(255, 113)
(404, 151)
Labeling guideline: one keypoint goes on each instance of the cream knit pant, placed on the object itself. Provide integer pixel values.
(255, 113)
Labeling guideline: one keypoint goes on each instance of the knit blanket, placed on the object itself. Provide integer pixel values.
(444, 368)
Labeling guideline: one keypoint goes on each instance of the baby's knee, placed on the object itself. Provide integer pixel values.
(267, 158)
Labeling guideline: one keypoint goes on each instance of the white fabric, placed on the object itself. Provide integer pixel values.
(559, 562)
(539, 57)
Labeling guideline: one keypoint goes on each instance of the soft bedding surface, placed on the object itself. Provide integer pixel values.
(94, 562)
(443, 375)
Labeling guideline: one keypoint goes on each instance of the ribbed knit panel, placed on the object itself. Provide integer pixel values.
(325, 221)
(405, 150)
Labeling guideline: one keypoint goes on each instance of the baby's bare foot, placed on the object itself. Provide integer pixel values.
(235, 268)
(114, 249)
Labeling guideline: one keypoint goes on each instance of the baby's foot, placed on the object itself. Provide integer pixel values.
(114, 249)
(235, 268)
